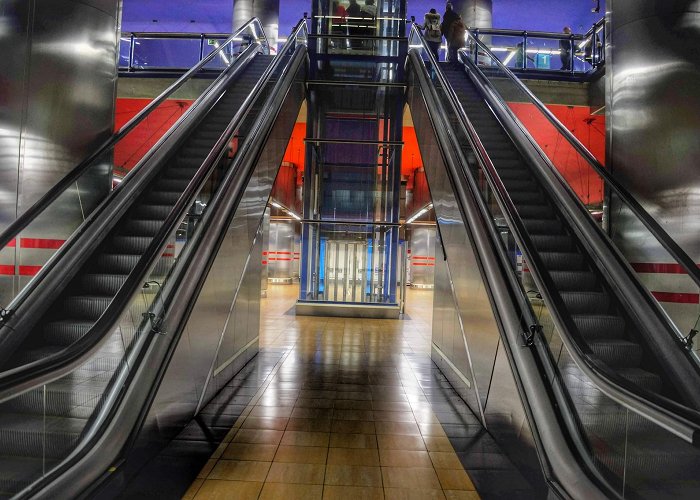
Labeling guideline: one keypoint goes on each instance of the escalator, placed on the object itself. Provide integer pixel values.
(608, 366)
(85, 342)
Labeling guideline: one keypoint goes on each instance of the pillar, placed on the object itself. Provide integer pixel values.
(268, 11)
(475, 13)
(57, 100)
(653, 125)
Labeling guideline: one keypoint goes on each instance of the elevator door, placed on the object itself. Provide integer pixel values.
(346, 262)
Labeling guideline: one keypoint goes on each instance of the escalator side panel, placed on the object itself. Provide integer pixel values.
(216, 321)
(489, 374)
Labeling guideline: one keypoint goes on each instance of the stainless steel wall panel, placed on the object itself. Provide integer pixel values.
(423, 256)
(653, 124)
(281, 250)
(58, 96)
(475, 13)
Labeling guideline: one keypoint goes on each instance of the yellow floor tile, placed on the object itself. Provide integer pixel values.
(225, 490)
(434, 443)
(412, 494)
(303, 438)
(277, 491)
(301, 454)
(245, 451)
(400, 442)
(293, 473)
(258, 436)
(193, 489)
(452, 479)
(404, 458)
(353, 475)
(445, 460)
(461, 495)
(353, 456)
(277, 424)
(410, 478)
(353, 440)
(236, 470)
(352, 493)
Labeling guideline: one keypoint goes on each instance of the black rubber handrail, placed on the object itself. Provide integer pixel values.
(678, 419)
(675, 251)
(26, 377)
(61, 186)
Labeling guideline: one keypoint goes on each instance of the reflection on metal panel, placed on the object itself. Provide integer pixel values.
(422, 256)
(653, 147)
(58, 91)
(493, 388)
(280, 251)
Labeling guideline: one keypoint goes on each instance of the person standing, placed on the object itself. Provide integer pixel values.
(565, 50)
(456, 38)
(370, 9)
(448, 18)
(432, 32)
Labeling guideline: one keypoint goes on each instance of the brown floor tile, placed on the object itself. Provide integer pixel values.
(434, 430)
(258, 436)
(412, 494)
(434, 443)
(363, 415)
(353, 475)
(445, 460)
(246, 451)
(314, 403)
(352, 404)
(206, 469)
(352, 427)
(193, 489)
(312, 413)
(404, 458)
(277, 424)
(277, 491)
(410, 478)
(271, 411)
(461, 495)
(390, 406)
(276, 401)
(236, 470)
(353, 440)
(304, 438)
(353, 456)
(301, 454)
(404, 428)
(400, 442)
(224, 490)
(352, 493)
(394, 416)
(309, 424)
(453, 479)
(356, 396)
(293, 473)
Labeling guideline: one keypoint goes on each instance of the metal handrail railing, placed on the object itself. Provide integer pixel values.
(26, 377)
(60, 187)
(678, 254)
(667, 414)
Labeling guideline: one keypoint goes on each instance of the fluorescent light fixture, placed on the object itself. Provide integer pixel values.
(510, 57)
(275, 204)
(293, 215)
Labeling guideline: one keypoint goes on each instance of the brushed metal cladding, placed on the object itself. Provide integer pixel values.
(475, 13)
(423, 256)
(268, 11)
(281, 250)
(653, 125)
(58, 97)
(215, 317)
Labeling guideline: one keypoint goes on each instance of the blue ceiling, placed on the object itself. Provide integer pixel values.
(208, 16)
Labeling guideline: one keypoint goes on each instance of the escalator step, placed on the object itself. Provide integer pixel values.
(572, 281)
(514, 173)
(102, 284)
(599, 326)
(65, 332)
(502, 154)
(180, 173)
(165, 184)
(644, 379)
(544, 226)
(85, 306)
(130, 244)
(586, 302)
(540, 211)
(526, 197)
(37, 435)
(617, 353)
(562, 261)
(154, 212)
(520, 184)
(117, 263)
(19, 472)
(163, 197)
(64, 402)
(141, 227)
(552, 242)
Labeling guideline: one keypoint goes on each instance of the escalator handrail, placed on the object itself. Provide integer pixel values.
(102, 424)
(62, 185)
(676, 418)
(29, 376)
(675, 250)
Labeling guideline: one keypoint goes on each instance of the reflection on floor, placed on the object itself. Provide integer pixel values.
(335, 408)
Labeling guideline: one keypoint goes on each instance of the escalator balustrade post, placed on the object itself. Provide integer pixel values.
(529, 335)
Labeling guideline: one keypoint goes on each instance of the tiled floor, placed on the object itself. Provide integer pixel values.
(346, 413)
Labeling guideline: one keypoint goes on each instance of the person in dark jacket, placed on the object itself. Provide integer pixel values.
(449, 17)
(565, 50)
